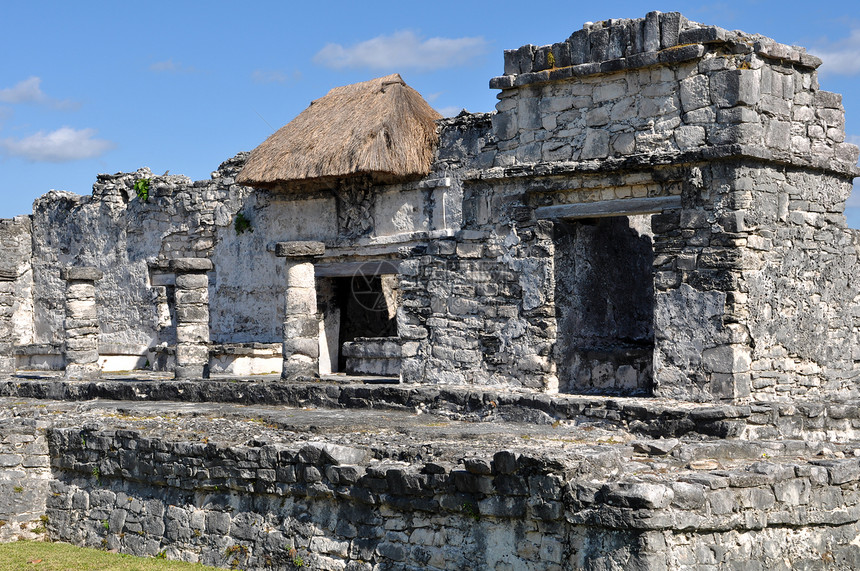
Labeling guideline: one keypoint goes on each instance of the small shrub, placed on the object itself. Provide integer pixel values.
(18, 489)
(471, 511)
(141, 189)
(242, 224)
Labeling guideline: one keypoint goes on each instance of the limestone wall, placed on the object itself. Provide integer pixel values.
(802, 285)
(25, 475)
(664, 84)
(335, 507)
(16, 280)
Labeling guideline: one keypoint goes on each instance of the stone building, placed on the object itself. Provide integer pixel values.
(654, 208)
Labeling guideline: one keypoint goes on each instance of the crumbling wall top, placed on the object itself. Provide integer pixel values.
(619, 44)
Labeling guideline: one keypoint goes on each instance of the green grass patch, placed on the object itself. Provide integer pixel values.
(45, 556)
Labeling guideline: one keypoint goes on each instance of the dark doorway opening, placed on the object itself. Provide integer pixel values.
(366, 310)
(604, 298)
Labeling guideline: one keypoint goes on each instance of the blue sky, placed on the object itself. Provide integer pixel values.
(92, 87)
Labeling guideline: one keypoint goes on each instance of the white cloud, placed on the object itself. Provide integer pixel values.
(402, 50)
(30, 91)
(840, 57)
(170, 66)
(64, 144)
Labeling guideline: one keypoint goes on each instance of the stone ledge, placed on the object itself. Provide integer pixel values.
(619, 44)
(81, 273)
(191, 265)
(646, 416)
(296, 249)
(649, 160)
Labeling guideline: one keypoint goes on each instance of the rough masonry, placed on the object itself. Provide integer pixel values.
(647, 236)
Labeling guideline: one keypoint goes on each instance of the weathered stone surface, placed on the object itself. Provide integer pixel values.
(81, 273)
(191, 265)
(296, 249)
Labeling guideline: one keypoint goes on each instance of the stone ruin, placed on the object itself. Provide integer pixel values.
(641, 255)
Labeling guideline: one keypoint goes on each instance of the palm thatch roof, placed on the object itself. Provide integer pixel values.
(382, 128)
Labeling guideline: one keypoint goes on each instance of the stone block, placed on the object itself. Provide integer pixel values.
(192, 333)
(191, 354)
(82, 344)
(80, 291)
(505, 125)
(7, 363)
(707, 35)
(596, 144)
(84, 366)
(578, 42)
(300, 326)
(724, 88)
(308, 346)
(81, 273)
(192, 314)
(525, 58)
(670, 28)
(695, 93)
(301, 301)
(598, 45)
(727, 359)
(528, 113)
(778, 135)
(749, 86)
(192, 296)
(300, 275)
(298, 367)
(192, 281)
(191, 265)
(640, 495)
(299, 249)
(690, 137)
(651, 32)
(511, 63)
(80, 309)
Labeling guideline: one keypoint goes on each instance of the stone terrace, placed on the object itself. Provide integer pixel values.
(355, 476)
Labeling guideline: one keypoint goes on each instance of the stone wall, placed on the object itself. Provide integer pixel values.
(664, 84)
(802, 284)
(722, 140)
(621, 95)
(16, 287)
(337, 507)
(25, 475)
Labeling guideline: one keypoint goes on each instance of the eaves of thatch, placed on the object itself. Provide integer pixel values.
(382, 129)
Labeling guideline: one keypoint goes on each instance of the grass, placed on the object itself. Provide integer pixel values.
(42, 556)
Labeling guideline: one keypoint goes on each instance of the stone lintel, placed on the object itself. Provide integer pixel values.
(81, 273)
(350, 269)
(603, 208)
(299, 249)
(191, 265)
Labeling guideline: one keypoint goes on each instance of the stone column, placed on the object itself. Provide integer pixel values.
(192, 317)
(301, 348)
(7, 298)
(82, 324)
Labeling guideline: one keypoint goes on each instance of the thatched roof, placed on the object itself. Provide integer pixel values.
(382, 128)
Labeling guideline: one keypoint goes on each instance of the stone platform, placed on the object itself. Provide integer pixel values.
(260, 474)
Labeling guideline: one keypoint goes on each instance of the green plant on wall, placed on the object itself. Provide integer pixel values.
(141, 189)
(242, 224)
